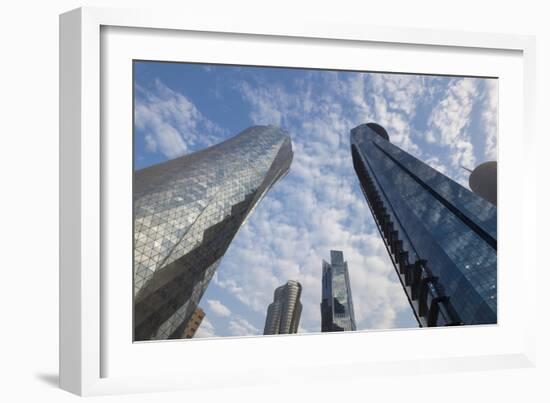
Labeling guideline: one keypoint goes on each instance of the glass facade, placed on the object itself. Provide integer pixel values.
(441, 237)
(283, 314)
(186, 213)
(336, 304)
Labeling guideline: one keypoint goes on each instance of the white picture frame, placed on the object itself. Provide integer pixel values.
(85, 311)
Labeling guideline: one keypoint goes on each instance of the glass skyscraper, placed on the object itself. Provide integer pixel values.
(186, 213)
(440, 236)
(336, 304)
(283, 314)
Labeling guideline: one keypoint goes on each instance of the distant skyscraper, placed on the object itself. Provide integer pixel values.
(336, 304)
(283, 314)
(193, 324)
(441, 237)
(186, 213)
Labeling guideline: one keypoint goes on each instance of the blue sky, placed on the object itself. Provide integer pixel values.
(180, 108)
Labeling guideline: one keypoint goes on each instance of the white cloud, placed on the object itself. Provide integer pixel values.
(430, 137)
(450, 122)
(171, 123)
(291, 232)
(218, 308)
(319, 207)
(401, 92)
(266, 110)
(150, 143)
(436, 164)
(452, 114)
(395, 99)
(206, 329)
(490, 119)
(239, 326)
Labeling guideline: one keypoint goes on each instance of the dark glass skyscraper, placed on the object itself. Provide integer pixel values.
(441, 237)
(283, 314)
(186, 213)
(336, 304)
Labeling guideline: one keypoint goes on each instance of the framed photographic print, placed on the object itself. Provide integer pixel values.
(244, 193)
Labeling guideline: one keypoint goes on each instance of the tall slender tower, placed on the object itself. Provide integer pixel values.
(186, 213)
(336, 304)
(283, 314)
(441, 237)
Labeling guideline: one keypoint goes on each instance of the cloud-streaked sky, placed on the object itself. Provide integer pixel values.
(448, 122)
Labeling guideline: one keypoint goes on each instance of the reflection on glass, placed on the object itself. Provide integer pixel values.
(440, 236)
(186, 212)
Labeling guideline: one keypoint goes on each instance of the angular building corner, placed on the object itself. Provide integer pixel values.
(440, 236)
(283, 314)
(186, 213)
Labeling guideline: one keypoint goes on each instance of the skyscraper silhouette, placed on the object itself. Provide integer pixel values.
(283, 314)
(440, 236)
(186, 213)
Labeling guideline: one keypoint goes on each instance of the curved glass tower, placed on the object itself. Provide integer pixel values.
(441, 237)
(283, 314)
(186, 213)
(336, 304)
